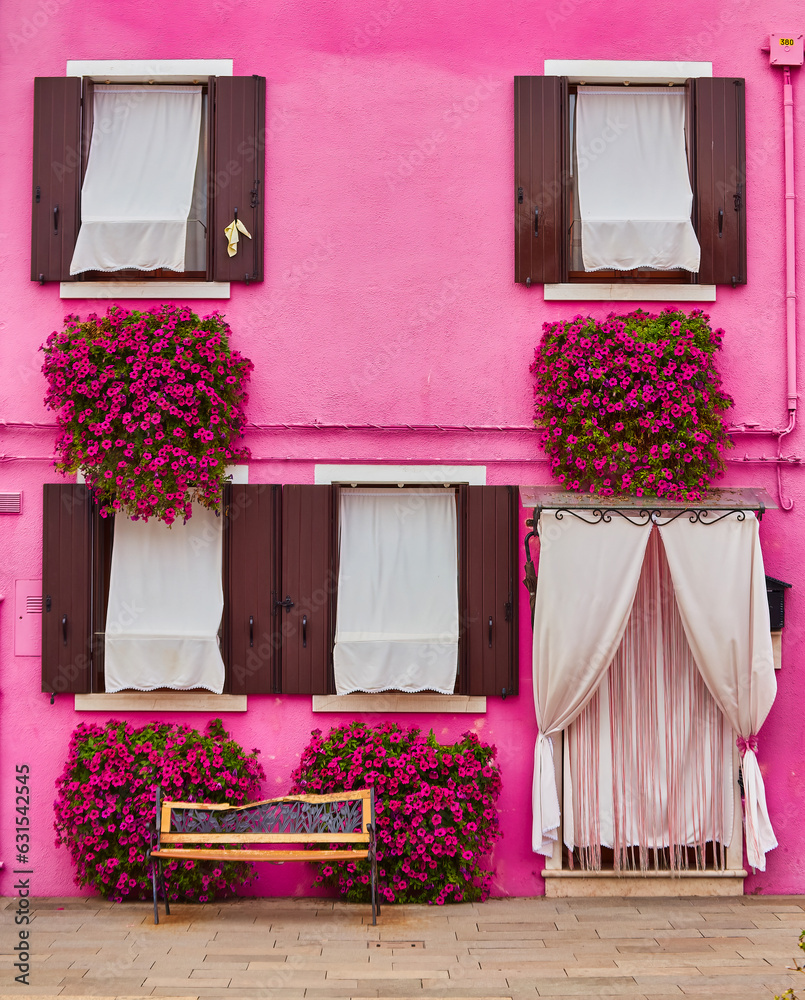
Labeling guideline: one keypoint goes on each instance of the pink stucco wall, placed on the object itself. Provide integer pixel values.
(389, 298)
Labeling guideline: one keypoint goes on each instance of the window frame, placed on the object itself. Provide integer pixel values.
(144, 71)
(639, 73)
(236, 176)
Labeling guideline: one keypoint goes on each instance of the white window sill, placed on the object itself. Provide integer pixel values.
(144, 290)
(161, 701)
(391, 702)
(594, 292)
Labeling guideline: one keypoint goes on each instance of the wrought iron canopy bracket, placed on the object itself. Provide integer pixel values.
(641, 516)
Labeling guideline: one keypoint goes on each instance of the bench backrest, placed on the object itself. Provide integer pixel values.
(337, 817)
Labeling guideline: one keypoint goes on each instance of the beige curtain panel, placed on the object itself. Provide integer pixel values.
(166, 600)
(634, 187)
(138, 189)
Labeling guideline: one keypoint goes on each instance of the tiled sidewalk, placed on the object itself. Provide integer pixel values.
(733, 949)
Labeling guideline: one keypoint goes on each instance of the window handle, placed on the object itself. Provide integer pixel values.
(536, 220)
(55, 220)
(64, 629)
(720, 222)
(304, 630)
(251, 630)
(490, 631)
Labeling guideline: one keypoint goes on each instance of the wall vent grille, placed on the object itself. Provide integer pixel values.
(10, 503)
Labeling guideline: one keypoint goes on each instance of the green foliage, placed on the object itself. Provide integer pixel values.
(435, 810)
(632, 405)
(106, 803)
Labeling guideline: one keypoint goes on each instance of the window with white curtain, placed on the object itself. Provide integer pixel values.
(144, 194)
(632, 195)
(397, 611)
(165, 605)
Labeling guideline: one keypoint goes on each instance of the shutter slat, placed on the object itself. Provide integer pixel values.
(540, 169)
(238, 156)
(66, 573)
(251, 558)
(56, 175)
(720, 172)
(491, 553)
(308, 578)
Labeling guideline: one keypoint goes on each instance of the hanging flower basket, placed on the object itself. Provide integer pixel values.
(632, 405)
(152, 407)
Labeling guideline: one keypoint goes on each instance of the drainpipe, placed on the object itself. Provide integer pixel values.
(786, 51)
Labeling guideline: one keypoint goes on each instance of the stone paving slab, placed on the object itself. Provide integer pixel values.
(518, 949)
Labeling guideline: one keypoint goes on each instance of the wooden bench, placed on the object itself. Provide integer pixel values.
(204, 831)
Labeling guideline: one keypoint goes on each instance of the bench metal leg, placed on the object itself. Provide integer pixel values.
(164, 891)
(154, 883)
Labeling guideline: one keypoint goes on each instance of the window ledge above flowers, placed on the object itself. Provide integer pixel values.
(584, 291)
(161, 701)
(400, 702)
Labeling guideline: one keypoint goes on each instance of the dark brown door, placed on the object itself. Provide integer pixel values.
(251, 578)
(305, 614)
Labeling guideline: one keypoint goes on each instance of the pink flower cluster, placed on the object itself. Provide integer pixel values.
(435, 810)
(152, 405)
(106, 804)
(632, 405)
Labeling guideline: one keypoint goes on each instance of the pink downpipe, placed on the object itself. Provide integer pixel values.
(790, 292)
(790, 274)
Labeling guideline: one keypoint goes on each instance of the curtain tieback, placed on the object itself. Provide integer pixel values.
(745, 743)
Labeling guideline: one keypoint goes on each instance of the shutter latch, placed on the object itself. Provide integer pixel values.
(287, 604)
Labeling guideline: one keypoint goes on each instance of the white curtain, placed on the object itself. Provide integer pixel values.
(165, 605)
(635, 194)
(588, 575)
(648, 761)
(720, 587)
(397, 613)
(138, 187)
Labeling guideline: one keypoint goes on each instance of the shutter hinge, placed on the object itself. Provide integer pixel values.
(737, 200)
(38, 194)
(47, 603)
(508, 611)
(253, 195)
(519, 196)
(247, 278)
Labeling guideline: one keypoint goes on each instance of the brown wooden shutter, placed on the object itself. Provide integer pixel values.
(540, 178)
(237, 174)
(489, 547)
(66, 579)
(309, 581)
(56, 176)
(720, 178)
(251, 575)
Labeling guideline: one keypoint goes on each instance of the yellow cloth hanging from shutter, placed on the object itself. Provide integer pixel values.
(231, 233)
